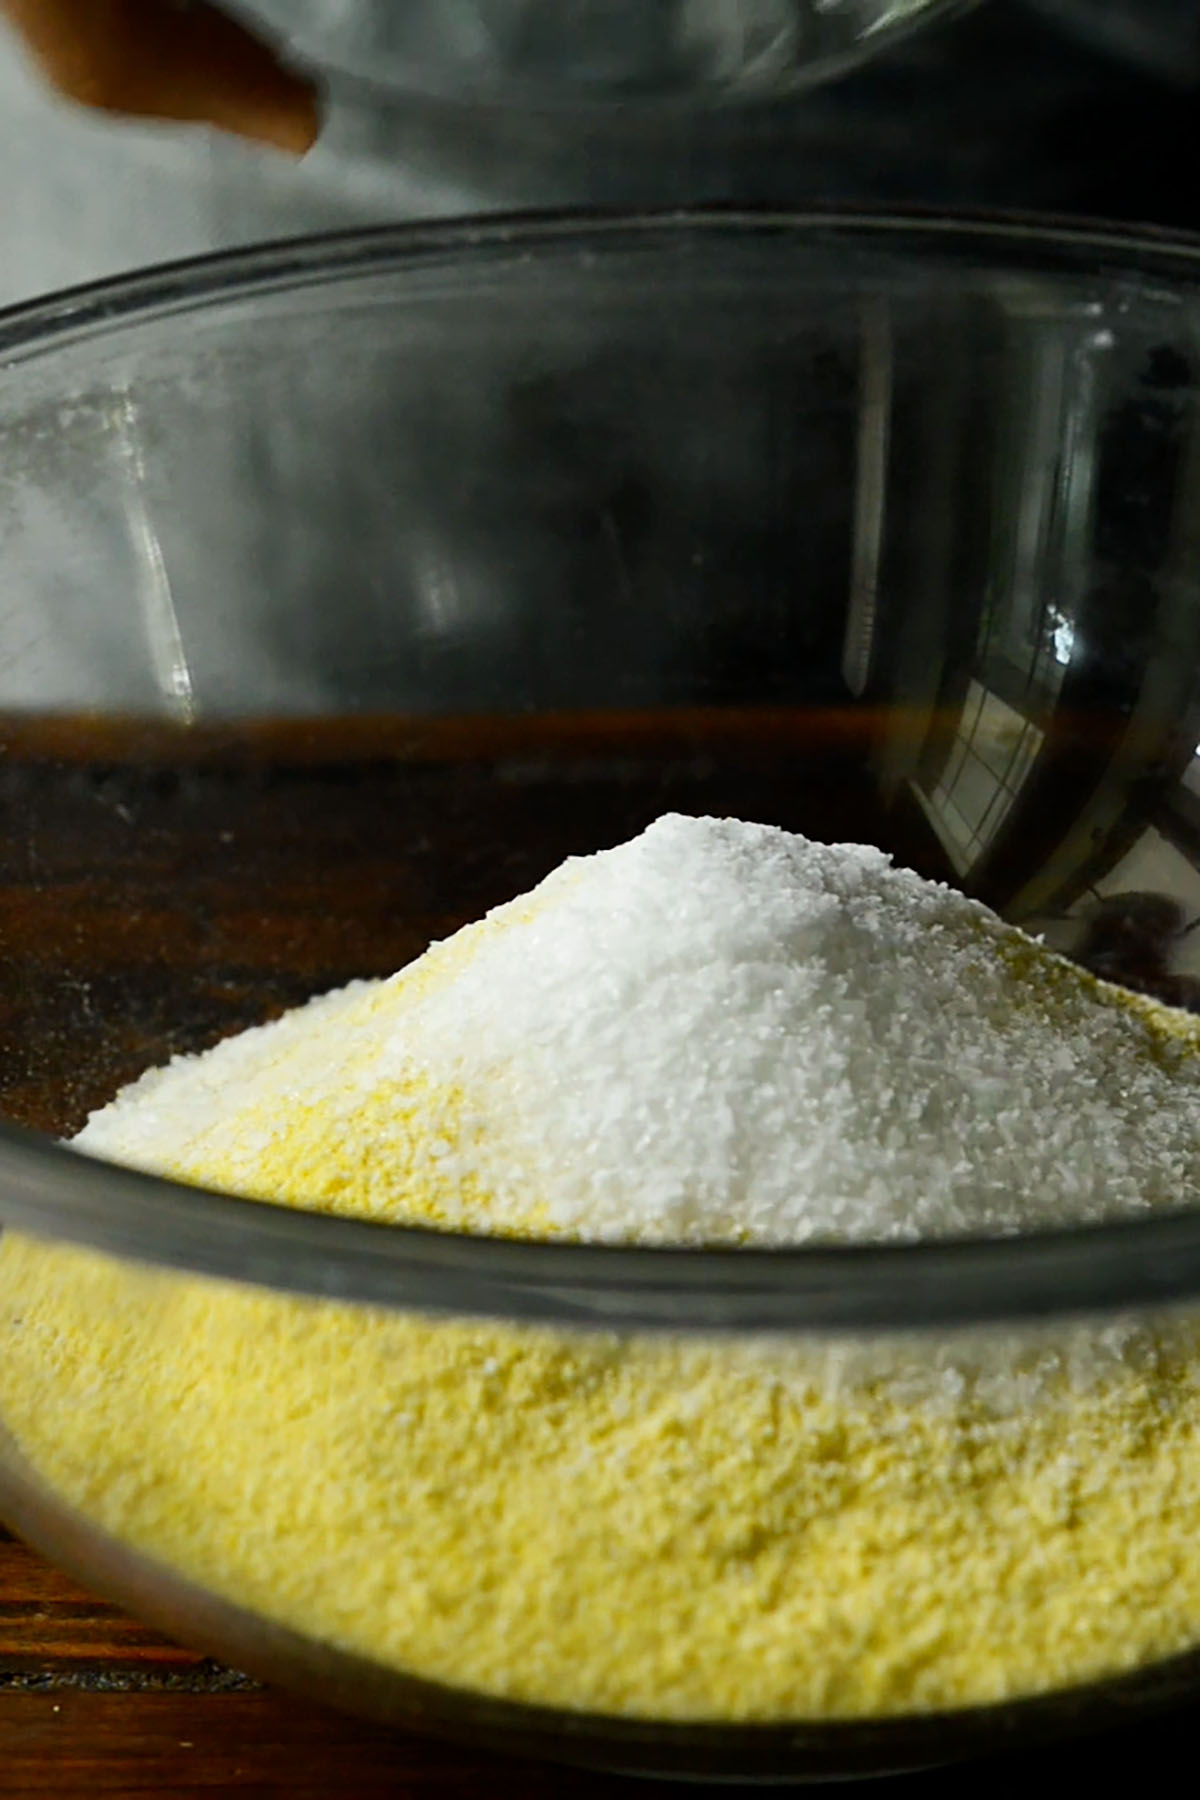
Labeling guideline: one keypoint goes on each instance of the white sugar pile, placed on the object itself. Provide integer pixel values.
(718, 1032)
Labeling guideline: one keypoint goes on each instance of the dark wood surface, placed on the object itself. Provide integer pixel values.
(161, 886)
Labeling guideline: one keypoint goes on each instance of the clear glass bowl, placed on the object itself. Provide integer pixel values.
(348, 586)
(555, 53)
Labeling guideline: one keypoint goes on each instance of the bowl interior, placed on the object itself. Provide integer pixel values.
(349, 588)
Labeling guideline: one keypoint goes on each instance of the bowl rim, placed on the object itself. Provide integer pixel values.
(362, 68)
(49, 1190)
(1139, 255)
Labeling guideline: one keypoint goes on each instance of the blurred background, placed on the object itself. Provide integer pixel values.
(1075, 106)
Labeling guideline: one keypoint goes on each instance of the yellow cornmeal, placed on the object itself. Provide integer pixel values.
(641, 1527)
(638, 1526)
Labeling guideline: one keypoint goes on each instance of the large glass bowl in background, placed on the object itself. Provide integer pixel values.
(350, 585)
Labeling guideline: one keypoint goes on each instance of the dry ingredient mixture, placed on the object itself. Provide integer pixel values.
(716, 1033)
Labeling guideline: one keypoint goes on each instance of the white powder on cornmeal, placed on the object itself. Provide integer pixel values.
(718, 1032)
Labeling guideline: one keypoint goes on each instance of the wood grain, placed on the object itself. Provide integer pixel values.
(174, 1746)
(51, 1626)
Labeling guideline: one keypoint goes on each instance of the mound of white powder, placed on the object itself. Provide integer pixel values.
(718, 1032)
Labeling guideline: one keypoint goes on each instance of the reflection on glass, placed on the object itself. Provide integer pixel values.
(993, 753)
(996, 704)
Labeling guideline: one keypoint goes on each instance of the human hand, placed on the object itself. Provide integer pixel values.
(167, 59)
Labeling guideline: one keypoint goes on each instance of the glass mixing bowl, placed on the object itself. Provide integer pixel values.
(348, 586)
(555, 53)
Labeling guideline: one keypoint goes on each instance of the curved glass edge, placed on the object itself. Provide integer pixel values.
(1034, 243)
(388, 80)
(51, 1191)
(715, 1752)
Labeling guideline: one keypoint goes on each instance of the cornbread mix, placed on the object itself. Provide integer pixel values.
(716, 1034)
